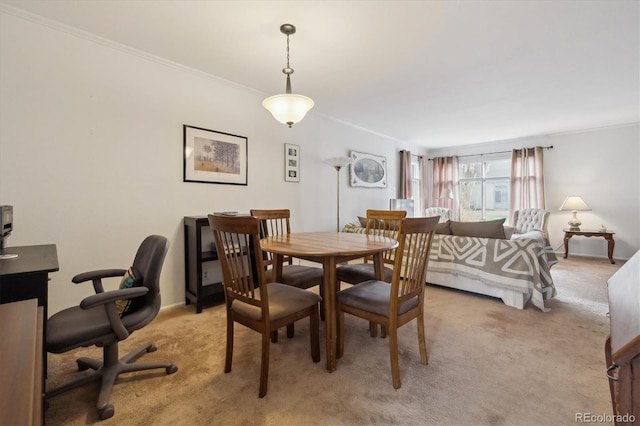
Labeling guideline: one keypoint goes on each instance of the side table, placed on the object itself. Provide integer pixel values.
(607, 235)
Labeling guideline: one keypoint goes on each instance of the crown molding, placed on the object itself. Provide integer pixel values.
(85, 35)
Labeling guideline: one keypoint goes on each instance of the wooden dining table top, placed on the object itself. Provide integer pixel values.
(320, 244)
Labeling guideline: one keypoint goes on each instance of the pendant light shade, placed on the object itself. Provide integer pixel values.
(288, 108)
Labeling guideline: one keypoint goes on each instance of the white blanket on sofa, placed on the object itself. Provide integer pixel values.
(522, 265)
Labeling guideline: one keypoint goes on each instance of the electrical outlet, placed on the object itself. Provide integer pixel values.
(205, 275)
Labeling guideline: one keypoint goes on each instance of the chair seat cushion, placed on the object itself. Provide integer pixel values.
(373, 296)
(356, 273)
(283, 300)
(75, 327)
(298, 276)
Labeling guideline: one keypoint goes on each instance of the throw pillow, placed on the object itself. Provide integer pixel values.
(125, 307)
(363, 221)
(443, 228)
(483, 229)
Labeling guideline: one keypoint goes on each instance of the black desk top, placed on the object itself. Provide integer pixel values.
(42, 258)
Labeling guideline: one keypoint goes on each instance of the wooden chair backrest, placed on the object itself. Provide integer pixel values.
(414, 240)
(385, 223)
(273, 222)
(237, 241)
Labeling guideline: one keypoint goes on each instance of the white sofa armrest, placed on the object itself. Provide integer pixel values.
(535, 234)
(508, 231)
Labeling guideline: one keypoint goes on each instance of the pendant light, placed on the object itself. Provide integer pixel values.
(288, 108)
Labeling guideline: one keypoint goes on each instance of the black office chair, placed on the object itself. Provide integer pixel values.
(96, 321)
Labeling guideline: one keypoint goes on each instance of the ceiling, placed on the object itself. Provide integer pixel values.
(432, 73)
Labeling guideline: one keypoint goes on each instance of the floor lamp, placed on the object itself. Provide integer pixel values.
(338, 163)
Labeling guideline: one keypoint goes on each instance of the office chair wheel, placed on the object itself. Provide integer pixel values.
(171, 369)
(152, 348)
(107, 412)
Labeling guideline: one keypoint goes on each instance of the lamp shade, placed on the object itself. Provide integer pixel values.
(339, 162)
(446, 194)
(288, 108)
(574, 202)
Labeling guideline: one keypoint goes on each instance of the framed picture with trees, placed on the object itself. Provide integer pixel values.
(214, 157)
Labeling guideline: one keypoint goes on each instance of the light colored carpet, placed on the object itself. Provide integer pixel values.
(489, 364)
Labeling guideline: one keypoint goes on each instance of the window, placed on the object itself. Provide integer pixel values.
(416, 186)
(484, 187)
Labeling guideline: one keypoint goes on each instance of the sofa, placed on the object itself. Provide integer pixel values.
(480, 257)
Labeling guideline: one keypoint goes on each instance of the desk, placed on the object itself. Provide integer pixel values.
(21, 368)
(27, 277)
(607, 235)
(329, 249)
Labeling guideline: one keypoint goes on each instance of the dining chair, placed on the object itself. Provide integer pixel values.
(394, 305)
(277, 222)
(385, 223)
(249, 299)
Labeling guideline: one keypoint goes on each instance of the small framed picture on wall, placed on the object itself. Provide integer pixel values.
(291, 162)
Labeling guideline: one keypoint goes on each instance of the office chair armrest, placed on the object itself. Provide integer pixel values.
(108, 299)
(111, 296)
(95, 275)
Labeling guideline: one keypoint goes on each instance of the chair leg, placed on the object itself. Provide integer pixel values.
(321, 290)
(74, 384)
(422, 340)
(274, 336)
(393, 354)
(373, 329)
(322, 314)
(108, 373)
(314, 324)
(340, 333)
(229, 353)
(264, 364)
(290, 330)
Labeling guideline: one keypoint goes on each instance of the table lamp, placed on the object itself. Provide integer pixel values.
(574, 203)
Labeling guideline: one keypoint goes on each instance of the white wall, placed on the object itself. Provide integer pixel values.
(600, 165)
(91, 157)
(91, 153)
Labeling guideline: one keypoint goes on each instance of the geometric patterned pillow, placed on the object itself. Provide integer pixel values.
(482, 229)
(128, 280)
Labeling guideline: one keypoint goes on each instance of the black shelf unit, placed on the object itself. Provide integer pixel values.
(195, 256)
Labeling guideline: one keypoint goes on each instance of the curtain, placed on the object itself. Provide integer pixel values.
(445, 179)
(527, 179)
(424, 180)
(406, 180)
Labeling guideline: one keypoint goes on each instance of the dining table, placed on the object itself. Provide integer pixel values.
(329, 249)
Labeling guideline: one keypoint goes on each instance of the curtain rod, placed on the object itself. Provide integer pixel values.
(496, 152)
(413, 155)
